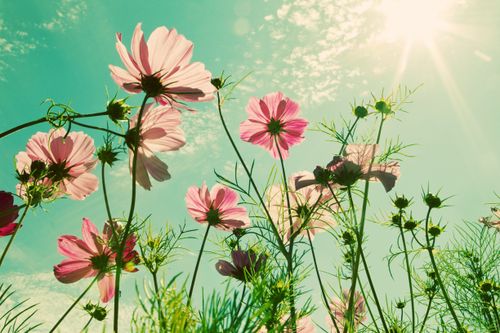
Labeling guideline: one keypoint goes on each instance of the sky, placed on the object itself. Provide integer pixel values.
(324, 54)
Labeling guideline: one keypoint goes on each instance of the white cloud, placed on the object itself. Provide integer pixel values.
(483, 56)
(68, 12)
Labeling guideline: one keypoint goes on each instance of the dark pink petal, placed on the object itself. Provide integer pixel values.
(272, 101)
(74, 248)
(72, 270)
(90, 236)
(8, 229)
(196, 206)
(255, 112)
(225, 268)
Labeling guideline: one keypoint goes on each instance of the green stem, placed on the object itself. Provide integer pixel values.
(45, 119)
(193, 280)
(11, 240)
(158, 299)
(323, 292)
(98, 128)
(254, 186)
(293, 314)
(119, 254)
(438, 276)
(368, 307)
(360, 230)
(427, 311)
(344, 144)
(87, 324)
(73, 305)
(495, 311)
(408, 271)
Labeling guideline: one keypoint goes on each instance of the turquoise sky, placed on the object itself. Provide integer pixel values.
(324, 54)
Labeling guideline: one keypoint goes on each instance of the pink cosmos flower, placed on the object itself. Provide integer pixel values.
(339, 308)
(217, 207)
(313, 203)
(8, 214)
(161, 68)
(245, 265)
(273, 119)
(68, 158)
(94, 255)
(354, 165)
(304, 325)
(159, 132)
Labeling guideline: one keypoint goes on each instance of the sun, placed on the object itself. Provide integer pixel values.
(413, 21)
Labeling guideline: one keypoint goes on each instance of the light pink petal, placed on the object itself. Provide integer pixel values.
(387, 174)
(38, 147)
(191, 83)
(74, 248)
(361, 154)
(223, 197)
(155, 167)
(173, 51)
(290, 111)
(83, 149)
(23, 161)
(195, 205)
(61, 148)
(256, 112)
(249, 128)
(90, 235)
(295, 127)
(106, 286)
(272, 101)
(126, 58)
(72, 270)
(141, 173)
(82, 186)
(140, 50)
(125, 80)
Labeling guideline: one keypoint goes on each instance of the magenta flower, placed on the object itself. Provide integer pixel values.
(94, 255)
(245, 265)
(160, 67)
(273, 124)
(339, 309)
(8, 214)
(354, 165)
(159, 132)
(217, 207)
(68, 159)
(312, 203)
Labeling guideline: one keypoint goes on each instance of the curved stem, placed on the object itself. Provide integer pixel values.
(193, 280)
(438, 276)
(293, 314)
(426, 313)
(11, 240)
(119, 255)
(254, 186)
(73, 305)
(323, 292)
(98, 128)
(45, 119)
(242, 297)
(408, 271)
(87, 324)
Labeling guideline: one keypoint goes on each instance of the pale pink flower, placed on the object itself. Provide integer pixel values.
(92, 256)
(245, 264)
(8, 214)
(313, 203)
(69, 158)
(159, 132)
(217, 207)
(273, 119)
(161, 68)
(492, 222)
(339, 310)
(304, 325)
(354, 165)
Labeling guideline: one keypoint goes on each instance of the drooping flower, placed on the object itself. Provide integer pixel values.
(217, 207)
(8, 214)
(245, 265)
(491, 222)
(161, 68)
(353, 166)
(304, 325)
(68, 158)
(159, 132)
(273, 123)
(94, 255)
(313, 205)
(339, 309)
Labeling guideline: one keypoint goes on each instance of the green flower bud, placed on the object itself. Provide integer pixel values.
(432, 201)
(360, 111)
(401, 202)
(117, 110)
(348, 237)
(217, 83)
(396, 220)
(382, 107)
(435, 230)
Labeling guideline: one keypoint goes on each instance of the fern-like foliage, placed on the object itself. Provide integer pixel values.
(15, 317)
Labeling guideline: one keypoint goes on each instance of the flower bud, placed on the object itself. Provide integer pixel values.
(486, 286)
(38, 169)
(382, 107)
(360, 111)
(432, 201)
(401, 202)
(217, 82)
(435, 230)
(95, 311)
(396, 220)
(400, 304)
(322, 176)
(117, 110)
(348, 237)
(410, 224)
(107, 154)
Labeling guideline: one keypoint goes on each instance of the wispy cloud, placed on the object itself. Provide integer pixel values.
(483, 56)
(67, 13)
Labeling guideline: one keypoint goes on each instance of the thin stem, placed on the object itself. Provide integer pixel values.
(360, 230)
(46, 119)
(293, 314)
(97, 128)
(158, 300)
(254, 186)
(426, 313)
(87, 324)
(323, 292)
(193, 280)
(119, 255)
(11, 240)
(495, 311)
(73, 305)
(344, 144)
(408, 271)
(438, 276)
(368, 307)
(241, 300)
(105, 192)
